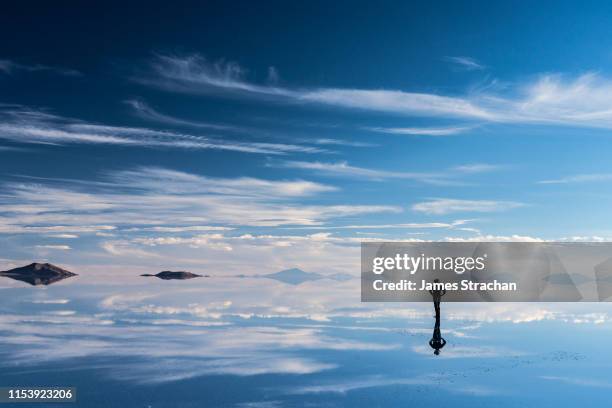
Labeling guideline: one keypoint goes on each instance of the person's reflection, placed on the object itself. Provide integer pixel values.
(437, 341)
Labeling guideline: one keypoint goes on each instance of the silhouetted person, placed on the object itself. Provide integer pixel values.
(437, 294)
(437, 342)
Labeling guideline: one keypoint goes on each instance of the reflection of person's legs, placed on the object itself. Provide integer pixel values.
(437, 335)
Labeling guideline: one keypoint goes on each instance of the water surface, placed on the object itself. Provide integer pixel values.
(130, 341)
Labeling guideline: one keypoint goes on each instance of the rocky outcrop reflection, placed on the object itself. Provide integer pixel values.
(38, 274)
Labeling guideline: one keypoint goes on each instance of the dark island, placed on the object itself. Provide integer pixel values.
(38, 274)
(168, 275)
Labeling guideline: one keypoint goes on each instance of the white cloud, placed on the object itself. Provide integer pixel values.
(495, 238)
(522, 238)
(64, 236)
(58, 247)
(446, 206)
(123, 248)
(61, 312)
(160, 198)
(212, 241)
(193, 228)
(412, 225)
(246, 243)
(52, 301)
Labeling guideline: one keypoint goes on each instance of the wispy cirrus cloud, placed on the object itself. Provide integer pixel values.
(195, 74)
(11, 149)
(144, 111)
(400, 102)
(359, 384)
(580, 178)
(423, 131)
(550, 99)
(579, 381)
(338, 142)
(7, 226)
(344, 169)
(466, 63)
(25, 125)
(443, 206)
(478, 168)
(164, 180)
(11, 67)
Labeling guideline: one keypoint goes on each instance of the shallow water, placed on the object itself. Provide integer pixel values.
(129, 341)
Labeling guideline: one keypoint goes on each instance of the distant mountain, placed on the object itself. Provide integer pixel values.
(341, 277)
(297, 276)
(567, 279)
(294, 276)
(169, 275)
(38, 274)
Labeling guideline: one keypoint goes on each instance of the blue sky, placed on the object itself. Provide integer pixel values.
(256, 137)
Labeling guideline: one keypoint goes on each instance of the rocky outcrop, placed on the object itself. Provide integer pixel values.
(169, 275)
(38, 274)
